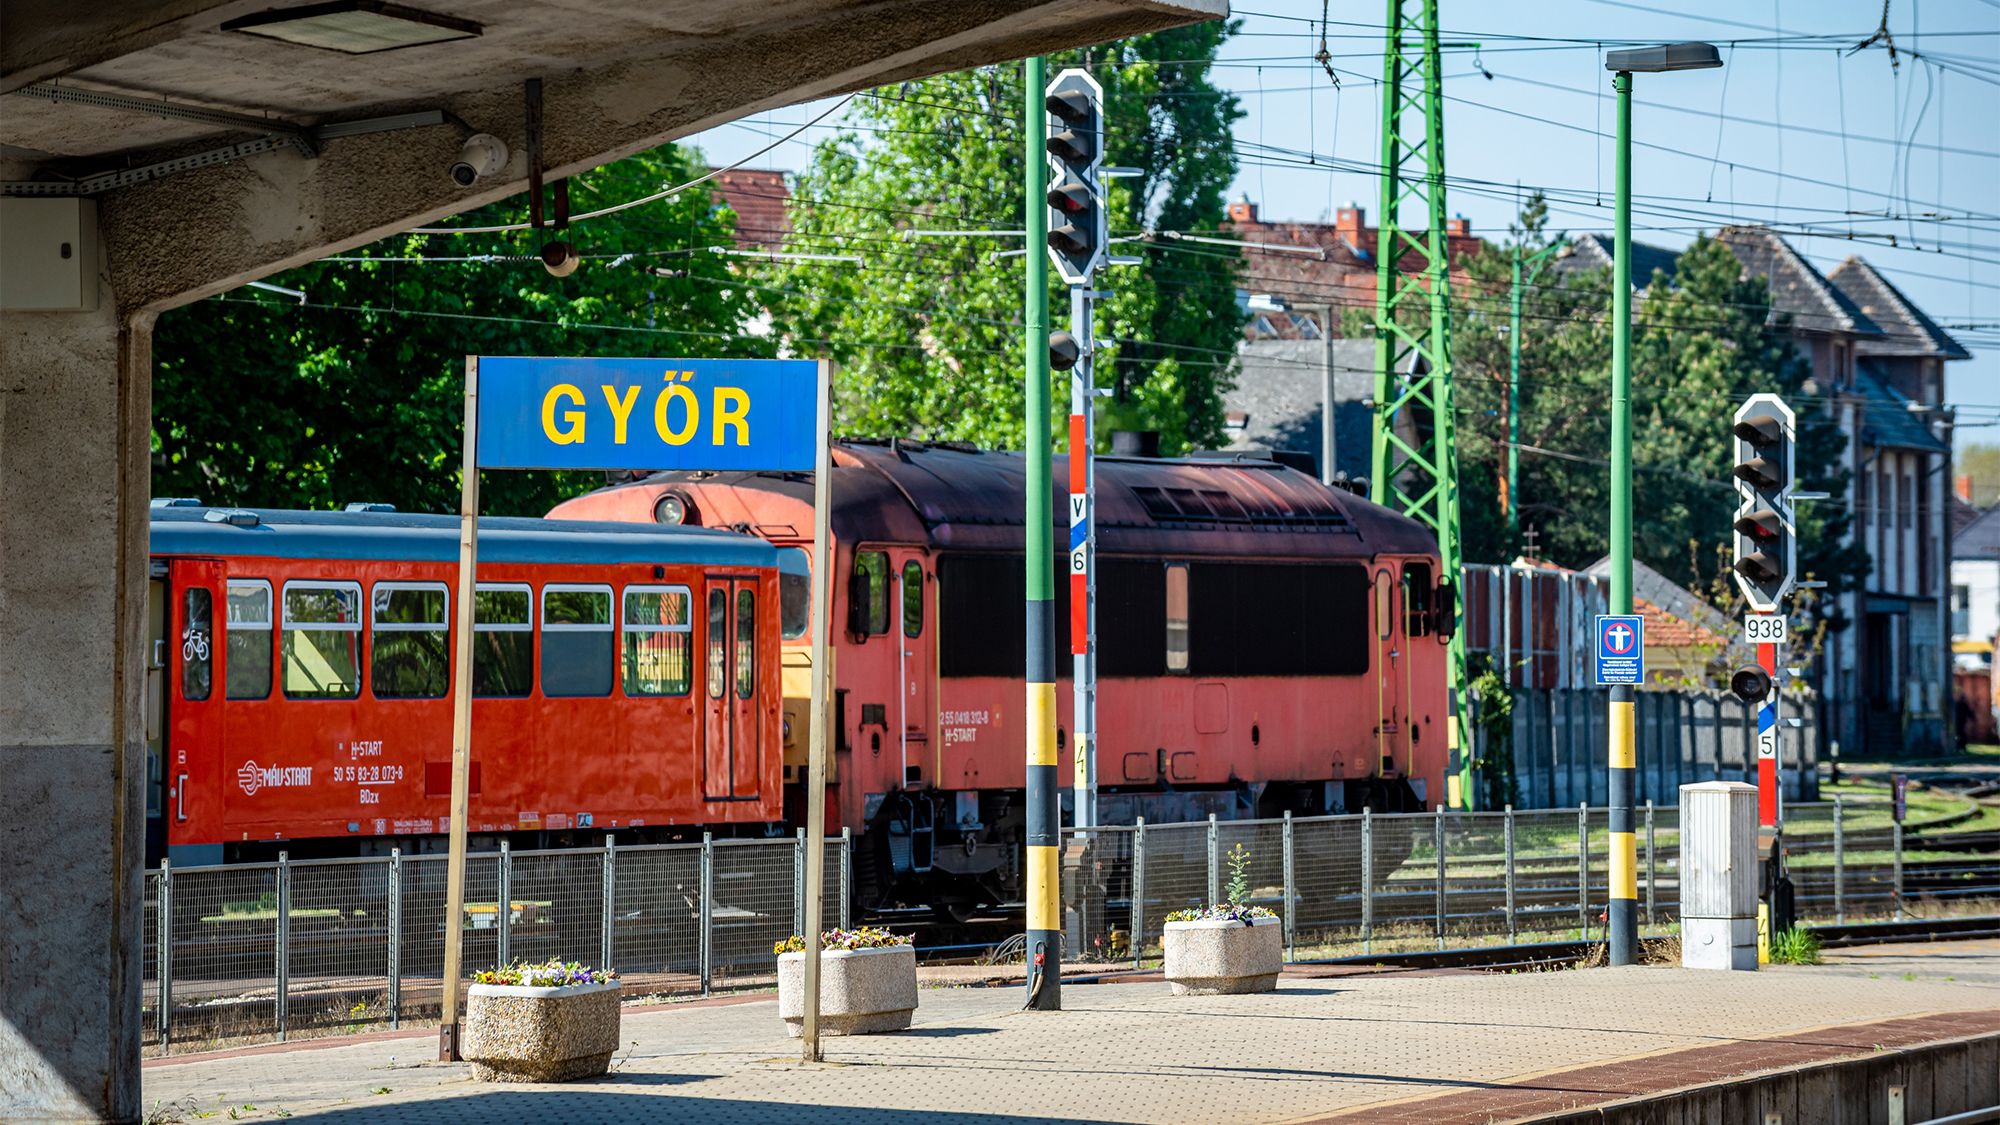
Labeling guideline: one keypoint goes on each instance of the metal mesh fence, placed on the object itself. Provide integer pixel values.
(337, 945)
(360, 942)
(149, 968)
(656, 937)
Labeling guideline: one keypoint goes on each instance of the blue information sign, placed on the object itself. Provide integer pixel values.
(1621, 649)
(564, 413)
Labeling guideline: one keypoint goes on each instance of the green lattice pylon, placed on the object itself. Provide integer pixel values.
(1414, 463)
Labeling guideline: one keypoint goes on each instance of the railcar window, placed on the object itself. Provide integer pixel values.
(875, 564)
(320, 643)
(659, 641)
(718, 642)
(197, 634)
(794, 595)
(409, 647)
(1177, 617)
(578, 640)
(503, 641)
(1417, 591)
(247, 673)
(913, 598)
(1264, 619)
(746, 643)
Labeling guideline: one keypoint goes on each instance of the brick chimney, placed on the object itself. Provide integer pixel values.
(1458, 226)
(1350, 219)
(1243, 211)
(1963, 486)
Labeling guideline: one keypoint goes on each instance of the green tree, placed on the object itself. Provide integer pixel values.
(1981, 462)
(1702, 341)
(929, 332)
(357, 392)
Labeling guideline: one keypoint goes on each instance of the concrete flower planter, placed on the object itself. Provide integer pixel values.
(1207, 958)
(861, 991)
(514, 1033)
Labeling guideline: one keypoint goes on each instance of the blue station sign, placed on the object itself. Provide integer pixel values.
(615, 413)
(1621, 649)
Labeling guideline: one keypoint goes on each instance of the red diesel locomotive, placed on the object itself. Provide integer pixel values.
(299, 696)
(1266, 643)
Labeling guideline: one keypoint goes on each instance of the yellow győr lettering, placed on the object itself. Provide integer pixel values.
(574, 433)
(621, 410)
(690, 405)
(732, 411)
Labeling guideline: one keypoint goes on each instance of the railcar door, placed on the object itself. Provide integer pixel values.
(732, 742)
(915, 669)
(1391, 670)
(195, 670)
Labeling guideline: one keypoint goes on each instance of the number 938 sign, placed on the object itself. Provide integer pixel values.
(1764, 629)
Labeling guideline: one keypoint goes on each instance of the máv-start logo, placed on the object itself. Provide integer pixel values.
(253, 777)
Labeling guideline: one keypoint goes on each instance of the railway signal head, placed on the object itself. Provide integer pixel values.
(1078, 228)
(1766, 538)
(1750, 683)
(1063, 351)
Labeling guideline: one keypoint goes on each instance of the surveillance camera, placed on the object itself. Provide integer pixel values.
(481, 155)
(559, 258)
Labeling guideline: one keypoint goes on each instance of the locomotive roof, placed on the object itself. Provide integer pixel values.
(415, 537)
(957, 497)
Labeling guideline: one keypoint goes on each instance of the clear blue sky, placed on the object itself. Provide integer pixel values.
(1914, 152)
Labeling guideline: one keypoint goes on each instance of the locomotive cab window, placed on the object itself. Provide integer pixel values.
(1177, 617)
(913, 598)
(658, 651)
(503, 641)
(197, 631)
(794, 592)
(320, 643)
(868, 594)
(409, 646)
(247, 671)
(1417, 593)
(578, 640)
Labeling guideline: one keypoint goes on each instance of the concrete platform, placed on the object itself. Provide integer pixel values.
(1433, 1047)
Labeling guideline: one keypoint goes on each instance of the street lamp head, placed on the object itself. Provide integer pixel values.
(1670, 56)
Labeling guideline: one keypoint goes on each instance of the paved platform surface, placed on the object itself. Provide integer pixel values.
(1438, 1047)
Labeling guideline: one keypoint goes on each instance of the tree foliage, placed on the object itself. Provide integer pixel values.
(357, 393)
(1702, 341)
(929, 333)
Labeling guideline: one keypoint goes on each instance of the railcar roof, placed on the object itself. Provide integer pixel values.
(963, 498)
(415, 537)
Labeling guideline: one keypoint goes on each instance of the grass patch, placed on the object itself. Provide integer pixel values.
(1796, 946)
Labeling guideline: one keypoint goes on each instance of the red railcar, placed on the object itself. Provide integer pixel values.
(1266, 643)
(625, 679)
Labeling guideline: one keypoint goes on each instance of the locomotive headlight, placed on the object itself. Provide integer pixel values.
(672, 509)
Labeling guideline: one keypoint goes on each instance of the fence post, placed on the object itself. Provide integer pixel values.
(1214, 862)
(1652, 869)
(1583, 868)
(395, 938)
(1896, 830)
(1367, 879)
(1291, 918)
(846, 873)
(164, 1013)
(604, 957)
(1839, 865)
(1437, 834)
(1138, 922)
(1508, 834)
(799, 885)
(503, 907)
(707, 920)
(285, 939)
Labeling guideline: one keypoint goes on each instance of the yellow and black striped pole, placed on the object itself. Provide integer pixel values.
(1622, 918)
(1044, 811)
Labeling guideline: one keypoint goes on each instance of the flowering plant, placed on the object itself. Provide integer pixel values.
(867, 937)
(1233, 909)
(1226, 912)
(552, 973)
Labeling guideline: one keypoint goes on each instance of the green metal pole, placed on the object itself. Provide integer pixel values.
(1623, 915)
(1044, 810)
(1514, 408)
